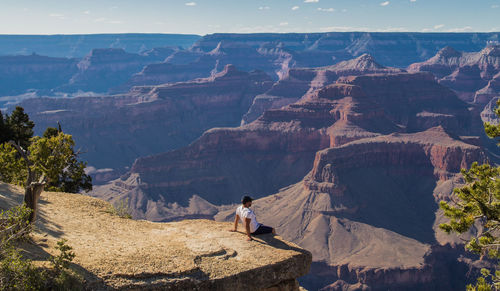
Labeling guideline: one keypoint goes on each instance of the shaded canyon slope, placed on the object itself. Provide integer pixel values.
(22, 73)
(79, 45)
(115, 130)
(278, 149)
(98, 72)
(368, 211)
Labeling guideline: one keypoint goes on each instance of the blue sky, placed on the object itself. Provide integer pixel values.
(209, 16)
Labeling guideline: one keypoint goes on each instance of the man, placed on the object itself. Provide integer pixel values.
(249, 220)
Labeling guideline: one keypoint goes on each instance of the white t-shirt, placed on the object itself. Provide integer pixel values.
(243, 213)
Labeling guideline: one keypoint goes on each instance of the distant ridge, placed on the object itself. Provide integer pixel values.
(79, 45)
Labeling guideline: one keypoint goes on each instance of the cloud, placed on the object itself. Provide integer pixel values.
(283, 23)
(494, 6)
(439, 26)
(311, 1)
(361, 28)
(86, 12)
(264, 8)
(460, 29)
(413, 0)
(107, 20)
(92, 170)
(342, 28)
(344, 10)
(58, 15)
(295, 8)
(385, 3)
(191, 4)
(326, 9)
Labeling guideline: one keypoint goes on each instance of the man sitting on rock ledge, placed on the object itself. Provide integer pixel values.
(249, 220)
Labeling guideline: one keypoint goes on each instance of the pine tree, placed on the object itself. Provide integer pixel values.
(479, 204)
(21, 127)
(5, 134)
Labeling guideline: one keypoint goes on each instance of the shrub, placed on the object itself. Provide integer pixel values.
(14, 226)
(121, 209)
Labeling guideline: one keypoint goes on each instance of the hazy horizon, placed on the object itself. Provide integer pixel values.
(201, 17)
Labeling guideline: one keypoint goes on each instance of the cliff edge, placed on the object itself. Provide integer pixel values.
(116, 253)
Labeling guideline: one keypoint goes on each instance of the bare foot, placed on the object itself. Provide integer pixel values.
(274, 231)
(249, 238)
(232, 230)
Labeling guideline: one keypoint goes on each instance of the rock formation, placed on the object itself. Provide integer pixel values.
(368, 209)
(299, 81)
(21, 73)
(258, 158)
(79, 45)
(115, 130)
(103, 69)
(473, 75)
(99, 71)
(390, 49)
(113, 253)
(275, 54)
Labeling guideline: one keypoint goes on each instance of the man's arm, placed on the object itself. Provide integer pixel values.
(247, 227)
(236, 219)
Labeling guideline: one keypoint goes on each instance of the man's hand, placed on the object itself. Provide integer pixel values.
(249, 238)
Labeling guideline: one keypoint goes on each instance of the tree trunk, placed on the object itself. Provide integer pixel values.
(32, 189)
(31, 195)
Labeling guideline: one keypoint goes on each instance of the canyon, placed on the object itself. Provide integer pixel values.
(348, 141)
(163, 117)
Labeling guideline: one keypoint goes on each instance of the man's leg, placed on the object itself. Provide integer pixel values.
(263, 229)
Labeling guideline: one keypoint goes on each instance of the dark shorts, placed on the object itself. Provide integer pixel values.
(263, 229)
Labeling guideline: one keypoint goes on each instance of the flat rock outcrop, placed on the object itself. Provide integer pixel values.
(114, 253)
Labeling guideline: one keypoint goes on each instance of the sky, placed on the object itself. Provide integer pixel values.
(250, 16)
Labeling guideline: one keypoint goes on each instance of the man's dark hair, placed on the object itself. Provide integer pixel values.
(246, 199)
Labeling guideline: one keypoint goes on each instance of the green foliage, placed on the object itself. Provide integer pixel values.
(479, 205)
(14, 226)
(479, 202)
(66, 256)
(13, 169)
(53, 157)
(483, 284)
(18, 273)
(493, 130)
(20, 126)
(50, 132)
(121, 209)
(4, 129)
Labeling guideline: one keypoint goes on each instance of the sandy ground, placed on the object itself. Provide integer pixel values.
(118, 252)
